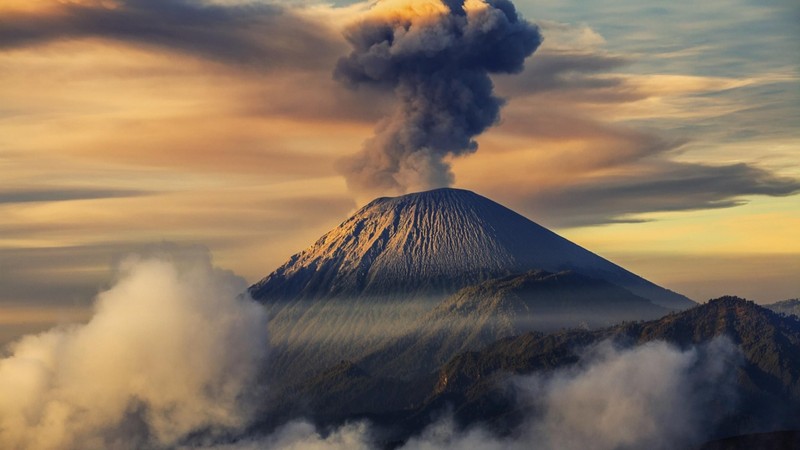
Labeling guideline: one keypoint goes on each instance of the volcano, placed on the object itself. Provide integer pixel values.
(413, 275)
(431, 244)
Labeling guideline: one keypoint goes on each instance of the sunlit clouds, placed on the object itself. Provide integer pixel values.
(128, 122)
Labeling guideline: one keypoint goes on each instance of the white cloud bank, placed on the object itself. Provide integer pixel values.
(170, 349)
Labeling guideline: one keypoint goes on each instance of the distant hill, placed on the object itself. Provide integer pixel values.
(787, 307)
(769, 379)
(472, 383)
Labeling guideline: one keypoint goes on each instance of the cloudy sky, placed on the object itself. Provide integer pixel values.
(661, 137)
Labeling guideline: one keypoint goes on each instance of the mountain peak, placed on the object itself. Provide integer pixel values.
(432, 243)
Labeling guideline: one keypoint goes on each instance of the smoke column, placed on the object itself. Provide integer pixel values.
(436, 58)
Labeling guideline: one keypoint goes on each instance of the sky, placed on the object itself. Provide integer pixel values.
(664, 138)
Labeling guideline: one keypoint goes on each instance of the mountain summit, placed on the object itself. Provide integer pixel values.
(433, 243)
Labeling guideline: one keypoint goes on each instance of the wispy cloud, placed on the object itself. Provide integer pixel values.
(264, 35)
(55, 194)
(582, 143)
(658, 188)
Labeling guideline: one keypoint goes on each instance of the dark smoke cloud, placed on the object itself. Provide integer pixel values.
(437, 59)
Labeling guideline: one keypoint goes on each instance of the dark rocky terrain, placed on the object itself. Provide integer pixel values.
(474, 385)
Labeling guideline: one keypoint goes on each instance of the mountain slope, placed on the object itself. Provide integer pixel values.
(548, 301)
(534, 301)
(370, 281)
(769, 379)
(788, 307)
(431, 244)
(474, 385)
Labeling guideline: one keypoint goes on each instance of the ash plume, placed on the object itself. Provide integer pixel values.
(436, 56)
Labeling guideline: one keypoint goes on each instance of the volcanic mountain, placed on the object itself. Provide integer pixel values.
(418, 269)
(433, 243)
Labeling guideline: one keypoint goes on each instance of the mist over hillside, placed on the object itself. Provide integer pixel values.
(738, 371)
(723, 368)
(789, 307)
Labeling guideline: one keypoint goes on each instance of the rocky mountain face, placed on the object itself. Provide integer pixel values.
(768, 342)
(474, 385)
(378, 280)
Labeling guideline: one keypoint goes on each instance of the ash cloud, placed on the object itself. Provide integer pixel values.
(172, 349)
(436, 58)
